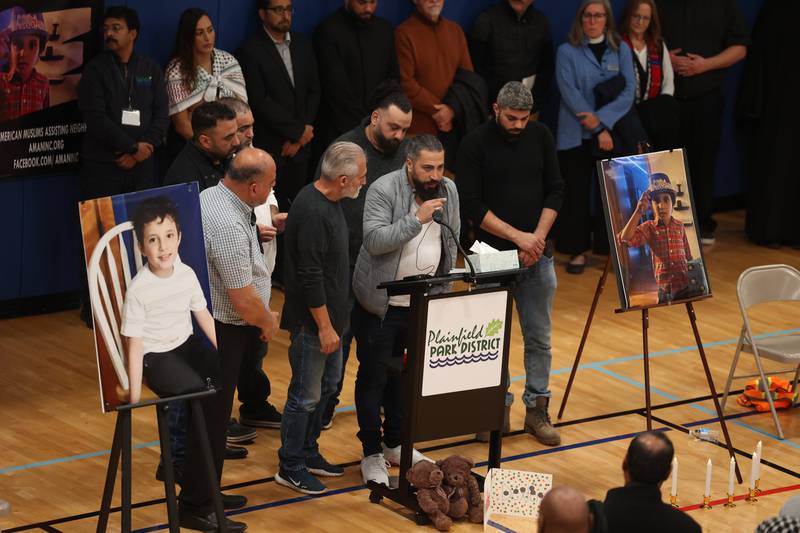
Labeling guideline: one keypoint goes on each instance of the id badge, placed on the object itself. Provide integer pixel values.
(131, 117)
(613, 67)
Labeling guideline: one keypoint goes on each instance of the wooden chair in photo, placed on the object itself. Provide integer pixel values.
(758, 285)
(109, 272)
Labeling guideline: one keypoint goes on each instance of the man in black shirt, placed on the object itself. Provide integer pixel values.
(355, 53)
(637, 506)
(203, 159)
(511, 41)
(316, 312)
(123, 99)
(382, 137)
(510, 186)
(705, 37)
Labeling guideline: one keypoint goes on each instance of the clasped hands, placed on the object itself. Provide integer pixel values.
(531, 247)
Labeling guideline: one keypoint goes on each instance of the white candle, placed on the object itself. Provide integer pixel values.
(758, 460)
(753, 473)
(674, 490)
(707, 492)
(731, 473)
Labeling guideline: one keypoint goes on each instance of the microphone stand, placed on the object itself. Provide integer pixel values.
(437, 217)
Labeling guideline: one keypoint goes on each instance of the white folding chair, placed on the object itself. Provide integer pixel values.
(757, 285)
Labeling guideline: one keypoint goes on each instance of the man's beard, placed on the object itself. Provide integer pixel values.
(386, 146)
(424, 193)
(511, 135)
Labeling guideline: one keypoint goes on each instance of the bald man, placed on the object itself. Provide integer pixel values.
(240, 291)
(564, 510)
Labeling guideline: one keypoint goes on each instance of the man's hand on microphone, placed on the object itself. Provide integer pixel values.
(425, 211)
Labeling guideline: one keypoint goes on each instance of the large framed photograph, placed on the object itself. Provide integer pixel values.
(652, 229)
(114, 257)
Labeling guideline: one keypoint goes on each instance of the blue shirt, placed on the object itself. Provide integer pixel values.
(577, 74)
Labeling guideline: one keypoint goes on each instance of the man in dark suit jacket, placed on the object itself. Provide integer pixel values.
(283, 91)
(637, 506)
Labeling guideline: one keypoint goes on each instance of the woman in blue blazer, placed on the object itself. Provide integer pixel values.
(593, 54)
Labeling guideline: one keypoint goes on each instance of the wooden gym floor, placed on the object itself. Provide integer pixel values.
(55, 441)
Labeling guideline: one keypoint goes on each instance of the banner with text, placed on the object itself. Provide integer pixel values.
(43, 47)
(464, 342)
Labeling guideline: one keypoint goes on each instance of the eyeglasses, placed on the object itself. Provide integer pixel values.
(640, 18)
(595, 16)
(281, 10)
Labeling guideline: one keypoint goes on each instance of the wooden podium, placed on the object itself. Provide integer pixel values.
(455, 375)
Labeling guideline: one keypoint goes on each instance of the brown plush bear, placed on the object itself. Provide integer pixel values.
(461, 485)
(427, 478)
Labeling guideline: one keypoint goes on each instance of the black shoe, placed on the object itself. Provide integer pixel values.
(239, 433)
(233, 501)
(177, 469)
(268, 417)
(235, 452)
(209, 523)
(319, 466)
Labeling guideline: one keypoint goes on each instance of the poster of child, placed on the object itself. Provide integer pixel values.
(651, 224)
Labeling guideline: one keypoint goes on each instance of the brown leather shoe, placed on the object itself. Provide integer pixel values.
(537, 423)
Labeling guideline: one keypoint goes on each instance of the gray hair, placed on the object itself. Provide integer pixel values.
(341, 159)
(514, 95)
(418, 143)
(236, 105)
(576, 35)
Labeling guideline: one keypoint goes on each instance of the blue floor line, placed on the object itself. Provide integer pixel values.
(351, 408)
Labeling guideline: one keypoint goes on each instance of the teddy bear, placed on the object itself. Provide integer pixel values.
(427, 478)
(462, 488)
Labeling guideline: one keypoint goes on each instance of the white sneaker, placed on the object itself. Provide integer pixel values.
(392, 455)
(373, 468)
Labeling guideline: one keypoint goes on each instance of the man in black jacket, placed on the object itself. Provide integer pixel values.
(355, 49)
(283, 91)
(511, 188)
(511, 41)
(203, 159)
(637, 506)
(123, 99)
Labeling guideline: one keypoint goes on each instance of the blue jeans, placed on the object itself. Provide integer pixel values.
(533, 295)
(314, 379)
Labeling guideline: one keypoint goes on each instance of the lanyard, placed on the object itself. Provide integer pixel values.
(127, 80)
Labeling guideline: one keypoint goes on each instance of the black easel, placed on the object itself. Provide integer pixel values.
(122, 446)
(646, 359)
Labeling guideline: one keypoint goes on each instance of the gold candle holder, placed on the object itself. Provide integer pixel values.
(673, 500)
(757, 490)
(751, 496)
(706, 503)
(730, 503)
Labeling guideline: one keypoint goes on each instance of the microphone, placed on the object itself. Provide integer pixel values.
(438, 217)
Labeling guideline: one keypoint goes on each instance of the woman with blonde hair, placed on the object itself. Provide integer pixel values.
(593, 56)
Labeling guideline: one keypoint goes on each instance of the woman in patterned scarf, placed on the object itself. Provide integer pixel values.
(198, 72)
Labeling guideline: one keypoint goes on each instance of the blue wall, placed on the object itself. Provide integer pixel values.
(39, 214)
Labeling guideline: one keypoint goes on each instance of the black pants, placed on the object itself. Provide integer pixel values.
(701, 132)
(253, 384)
(379, 343)
(232, 341)
(190, 368)
(580, 224)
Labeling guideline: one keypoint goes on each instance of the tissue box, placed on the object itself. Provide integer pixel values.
(490, 262)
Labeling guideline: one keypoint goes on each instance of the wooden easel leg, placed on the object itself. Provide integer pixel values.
(111, 477)
(711, 387)
(169, 472)
(126, 470)
(199, 420)
(601, 283)
(646, 358)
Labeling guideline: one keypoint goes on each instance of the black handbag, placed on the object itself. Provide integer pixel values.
(660, 119)
(628, 133)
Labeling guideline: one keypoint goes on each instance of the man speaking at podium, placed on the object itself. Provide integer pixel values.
(400, 239)
(509, 179)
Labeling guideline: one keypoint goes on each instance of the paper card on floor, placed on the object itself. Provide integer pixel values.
(512, 498)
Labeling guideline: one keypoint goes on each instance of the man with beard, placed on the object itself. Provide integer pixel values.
(355, 51)
(400, 239)
(203, 159)
(316, 312)
(123, 99)
(382, 137)
(509, 180)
